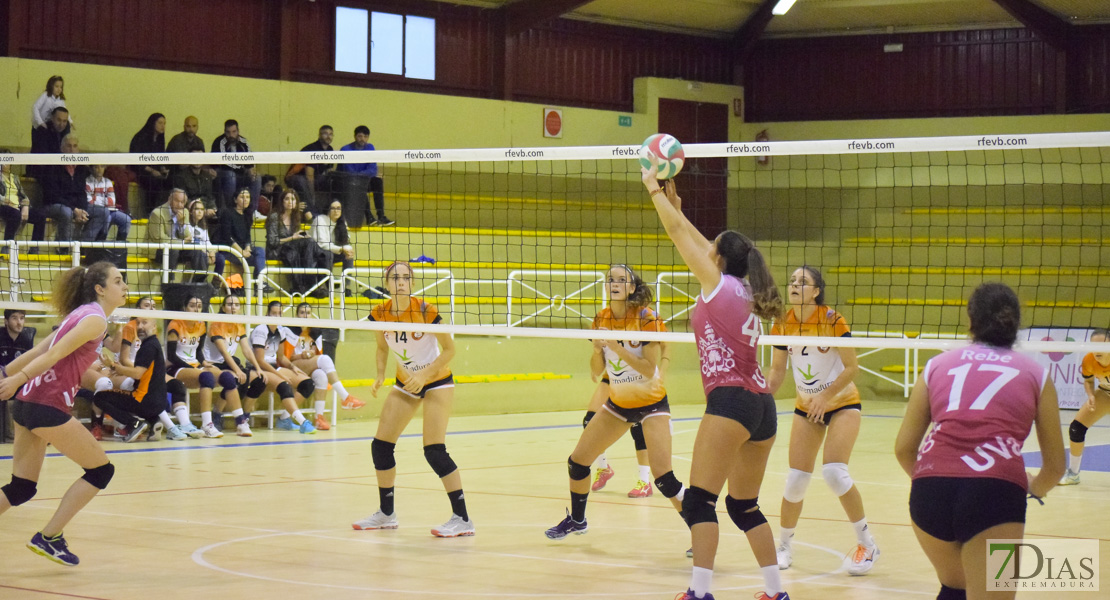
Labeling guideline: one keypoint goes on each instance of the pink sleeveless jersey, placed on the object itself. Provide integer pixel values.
(727, 332)
(983, 401)
(58, 386)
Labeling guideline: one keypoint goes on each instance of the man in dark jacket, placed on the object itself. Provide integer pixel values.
(63, 194)
(48, 139)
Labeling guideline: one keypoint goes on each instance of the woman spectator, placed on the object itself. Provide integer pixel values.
(235, 231)
(52, 98)
(15, 207)
(286, 241)
(151, 139)
(197, 233)
(330, 232)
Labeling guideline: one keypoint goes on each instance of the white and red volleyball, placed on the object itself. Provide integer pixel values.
(668, 150)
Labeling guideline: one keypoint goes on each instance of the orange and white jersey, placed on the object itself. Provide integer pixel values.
(130, 335)
(271, 342)
(305, 342)
(414, 351)
(628, 388)
(230, 333)
(816, 367)
(1091, 369)
(189, 334)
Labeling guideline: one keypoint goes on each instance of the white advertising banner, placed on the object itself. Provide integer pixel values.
(1063, 367)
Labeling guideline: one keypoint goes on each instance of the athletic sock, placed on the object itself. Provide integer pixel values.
(863, 535)
(239, 418)
(319, 406)
(1073, 462)
(205, 418)
(786, 536)
(284, 415)
(182, 414)
(385, 498)
(645, 473)
(578, 506)
(602, 463)
(772, 582)
(164, 417)
(458, 504)
(340, 391)
(701, 580)
(298, 418)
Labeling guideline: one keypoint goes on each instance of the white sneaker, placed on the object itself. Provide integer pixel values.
(861, 559)
(210, 431)
(192, 431)
(1070, 478)
(174, 433)
(243, 430)
(454, 527)
(785, 556)
(378, 520)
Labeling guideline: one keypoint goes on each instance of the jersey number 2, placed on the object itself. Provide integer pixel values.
(1005, 375)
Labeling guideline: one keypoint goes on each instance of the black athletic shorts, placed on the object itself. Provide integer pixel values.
(829, 414)
(637, 415)
(224, 367)
(956, 509)
(172, 369)
(446, 382)
(32, 416)
(756, 412)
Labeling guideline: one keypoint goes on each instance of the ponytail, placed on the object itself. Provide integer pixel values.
(743, 259)
(77, 286)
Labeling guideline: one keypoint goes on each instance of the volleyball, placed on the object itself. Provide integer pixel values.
(669, 152)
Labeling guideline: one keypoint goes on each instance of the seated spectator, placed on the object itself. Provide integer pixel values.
(235, 231)
(15, 208)
(196, 180)
(230, 178)
(48, 139)
(14, 341)
(102, 207)
(63, 195)
(268, 197)
(197, 233)
(330, 233)
(369, 170)
(151, 139)
(52, 98)
(309, 180)
(169, 223)
(286, 241)
(187, 140)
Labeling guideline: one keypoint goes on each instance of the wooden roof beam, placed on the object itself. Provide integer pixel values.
(744, 39)
(526, 14)
(1046, 24)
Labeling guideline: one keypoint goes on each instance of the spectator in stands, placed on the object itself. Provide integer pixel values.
(268, 196)
(15, 207)
(235, 231)
(52, 98)
(151, 139)
(198, 232)
(169, 223)
(287, 242)
(187, 140)
(63, 195)
(196, 180)
(14, 341)
(232, 177)
(309, 180)
(330, 233)
(370, 170)
(48, 140)
(102, 208)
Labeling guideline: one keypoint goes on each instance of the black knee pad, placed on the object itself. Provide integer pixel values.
(256, 386)
(284, 390)
(947, 593)
(638, 437)
(228, 381)
(1077, 432)
(177, 391)
(100, 476)
(382, 453)
(699, 506)
(668, 485)
(577, 472)
(206, 380)
(20, 490)
(439, 459)
(305, 388)
(586, 419)
(745, 513)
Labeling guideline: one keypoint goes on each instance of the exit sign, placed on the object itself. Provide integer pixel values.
(624, 121)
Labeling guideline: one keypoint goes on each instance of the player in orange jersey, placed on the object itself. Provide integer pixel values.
(1096, 382)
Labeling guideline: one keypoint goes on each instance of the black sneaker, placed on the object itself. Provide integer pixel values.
(565, 527)
(55, 549)
(136, 432)
(385, 222)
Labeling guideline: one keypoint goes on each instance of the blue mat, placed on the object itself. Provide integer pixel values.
(1095, 458)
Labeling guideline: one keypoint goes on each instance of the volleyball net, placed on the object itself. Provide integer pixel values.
(519, 241)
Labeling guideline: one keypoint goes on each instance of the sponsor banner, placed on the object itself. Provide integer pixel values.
(1063, 367)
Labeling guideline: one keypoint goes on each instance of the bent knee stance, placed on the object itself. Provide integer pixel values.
(797, 482)
(668, 485)
(177, 391)
(382, 453)
(577, 472)
(638, 440)
(255, 387)
(1077, 432)
(699, 506)
(837, 478)
(745, 513)
(305, 388)
(228, 381)
(284, 390)
(206, 380)
(319, 380)
(324, 363)
(100, 476)
(439, 459)
(589, 417)
(20, 490)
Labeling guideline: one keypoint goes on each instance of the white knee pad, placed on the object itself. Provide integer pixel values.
(324, 363)
(320, 379)
(103, 384)
(128, 384)
(796, 484)
(837, 477)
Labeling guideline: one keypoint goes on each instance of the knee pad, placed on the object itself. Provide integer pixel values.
(176, 391)
(837, 478)
(1077, 432)
(103, 384)
(699, 506)
(439, 459)
(577, 472)
(284, 390)
(325, 363)
(228, 381)
(638, 437)
(382, 453)
(947, 593)
(100, 476)
(20, 490)
(668, 485)
(128, 384)
(745, 513)
(319, 380)
(256, 386)
(796, 484)
(305, 388)
(206, 380)
(589, 417)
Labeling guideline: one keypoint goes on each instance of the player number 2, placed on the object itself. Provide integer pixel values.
(959, 374)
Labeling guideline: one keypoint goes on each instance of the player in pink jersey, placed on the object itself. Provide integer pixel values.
(969, 479)
(47, 378)
(740, 422)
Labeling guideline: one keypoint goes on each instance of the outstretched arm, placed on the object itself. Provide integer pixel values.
(691, 244)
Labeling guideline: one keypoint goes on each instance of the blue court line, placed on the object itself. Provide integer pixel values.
(1095, 458)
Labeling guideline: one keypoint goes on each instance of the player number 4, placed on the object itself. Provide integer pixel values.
(959, 374)
(752, 328)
